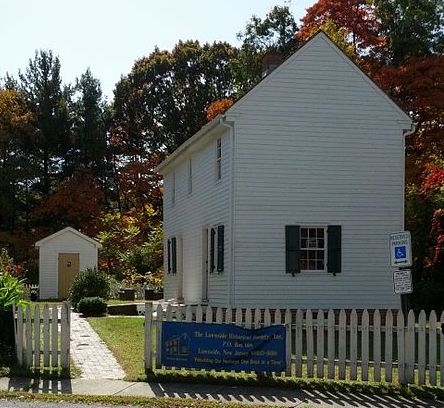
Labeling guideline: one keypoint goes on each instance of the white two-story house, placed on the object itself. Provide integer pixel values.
(287, 199)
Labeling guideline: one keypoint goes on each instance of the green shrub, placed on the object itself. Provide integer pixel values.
(92, 306)
(89, 283)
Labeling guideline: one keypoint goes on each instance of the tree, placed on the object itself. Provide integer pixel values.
(163, 100)
(356, 16)
(89, 147)
(17, 133)
(274, 34)
(41, 85)
(413, 28)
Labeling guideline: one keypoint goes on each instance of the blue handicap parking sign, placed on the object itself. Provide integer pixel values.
(400, 252)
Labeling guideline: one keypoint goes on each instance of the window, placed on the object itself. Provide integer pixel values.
(218, 159)
(313, 248)
(190, 176)
(173, 189)
(172, 255)
(216, 238)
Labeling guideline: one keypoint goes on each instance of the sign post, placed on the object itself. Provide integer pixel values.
(400, 246)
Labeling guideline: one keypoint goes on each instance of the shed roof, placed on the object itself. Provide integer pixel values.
(68, 230)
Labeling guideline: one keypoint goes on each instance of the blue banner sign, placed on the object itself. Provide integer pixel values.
(223, 347)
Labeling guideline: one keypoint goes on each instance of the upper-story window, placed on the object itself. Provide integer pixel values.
(190, 176)
(218, 159)
(173, 189)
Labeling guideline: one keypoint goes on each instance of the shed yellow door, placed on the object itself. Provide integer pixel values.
(68, 269)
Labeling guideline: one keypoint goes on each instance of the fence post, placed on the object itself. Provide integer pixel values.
(148, 337)
(20, 335)
(65, 333)
(159, 335)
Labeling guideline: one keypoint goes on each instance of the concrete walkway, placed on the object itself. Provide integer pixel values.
(222, 393)
(90, 354)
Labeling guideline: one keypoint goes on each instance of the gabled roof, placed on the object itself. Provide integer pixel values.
(72, 231)
(217, 122)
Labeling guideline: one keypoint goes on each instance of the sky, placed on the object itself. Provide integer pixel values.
(109, 35)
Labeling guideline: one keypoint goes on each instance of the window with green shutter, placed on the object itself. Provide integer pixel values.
(313, 248)
(169, 255)
(173, 255)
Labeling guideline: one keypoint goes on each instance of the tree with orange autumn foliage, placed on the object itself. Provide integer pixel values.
(78, 202)
(218, 107)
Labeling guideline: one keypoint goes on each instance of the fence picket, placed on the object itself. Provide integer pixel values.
(354, 345)
(179, 313)
(432, 348)
(65, 336)
(400, 334)
(267, 318)
(421, 347)
(331, 344)
(342, 343)
(37, 336)
(441, 344)
(54, 337)
(20, 335)
(364, 345)
(257, 318)
(46, 336)
(298, 342)
(209, 314)
(410, 347)
(229, 315)
(288, 340)
(199, 314)
(28, 338)
(248, 318)
(169, 313)
(148, 337)
(388, 354)
(309, 340)
(189, 313)
(238, 317)
(377, 346)
(219, 315)
(320, 344)
(277, 316)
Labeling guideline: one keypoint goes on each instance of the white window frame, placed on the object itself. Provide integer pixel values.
(190, 176)
(306, 249)
(218, 159)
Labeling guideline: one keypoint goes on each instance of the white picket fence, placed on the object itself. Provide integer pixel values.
(42, 336)
(355, 345)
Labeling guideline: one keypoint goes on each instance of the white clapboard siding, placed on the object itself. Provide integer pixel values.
(308, 335)
(31, 329)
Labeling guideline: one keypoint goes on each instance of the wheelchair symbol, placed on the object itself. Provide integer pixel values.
(400, 252)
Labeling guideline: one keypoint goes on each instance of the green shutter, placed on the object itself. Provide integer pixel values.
(292, 249)
(173, 255)
(334, 249)
(169, 255)
(220, 248)
(212, 252)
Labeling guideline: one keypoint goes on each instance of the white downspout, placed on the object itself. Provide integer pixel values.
(405, 133)
(231, 198)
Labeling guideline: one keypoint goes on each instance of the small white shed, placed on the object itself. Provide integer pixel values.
(62, 256)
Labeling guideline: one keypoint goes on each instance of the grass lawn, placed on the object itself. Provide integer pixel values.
(125, 338)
